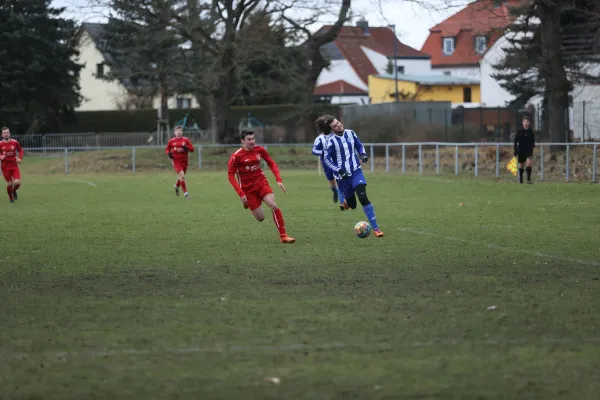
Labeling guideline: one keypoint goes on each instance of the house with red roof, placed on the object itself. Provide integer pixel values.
(470, 42)
(360, 51)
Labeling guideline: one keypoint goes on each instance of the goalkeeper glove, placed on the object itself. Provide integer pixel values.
(363, 158)
(344, 174)
(170, 155)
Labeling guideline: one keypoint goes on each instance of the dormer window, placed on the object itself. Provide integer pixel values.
(480, 44)
(448, 44)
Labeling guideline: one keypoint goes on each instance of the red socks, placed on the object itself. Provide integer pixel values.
(9, 190)
(278, 218)
(16, 186)
(182, 183)
(178, 183)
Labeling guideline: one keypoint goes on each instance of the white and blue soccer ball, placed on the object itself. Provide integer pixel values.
(362, 229)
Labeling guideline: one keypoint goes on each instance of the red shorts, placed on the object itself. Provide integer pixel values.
(11, 173)
(180, 166)
(256, 194)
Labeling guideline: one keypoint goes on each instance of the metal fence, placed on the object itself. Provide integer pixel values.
(552, 161)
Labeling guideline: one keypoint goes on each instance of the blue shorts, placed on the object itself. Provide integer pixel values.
(348, 185)
(327, 170)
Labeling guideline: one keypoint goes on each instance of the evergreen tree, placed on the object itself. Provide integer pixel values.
(38, 73)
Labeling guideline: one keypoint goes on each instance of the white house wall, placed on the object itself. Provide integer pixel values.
(585, 116)
(98, 94)
(460, 72)
(411, 66)
(341, 70)
(492, 94)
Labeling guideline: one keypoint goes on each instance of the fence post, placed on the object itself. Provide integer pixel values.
(420, 160)
(497, 161)
(387, 158)
(403, 158)
(583, 124)
(200, 157)
(594, 165)
(66, 161)
(456, 161)
(372, 151)
(542, 163)
(476, 161)
(568, 163)
(437, 158)
(133, 160)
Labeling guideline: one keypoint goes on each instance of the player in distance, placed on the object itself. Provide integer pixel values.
(11, 155)
(318, 149)
(524, 145)
(251, 183)
(177, 150)
(340, 156)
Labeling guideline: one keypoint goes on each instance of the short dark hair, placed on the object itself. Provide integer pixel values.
(178, 127)
(245, 133)
(525, 117)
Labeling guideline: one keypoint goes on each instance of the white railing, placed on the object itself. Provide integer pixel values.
(426, 157)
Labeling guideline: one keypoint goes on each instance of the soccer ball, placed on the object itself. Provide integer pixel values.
(362, 229)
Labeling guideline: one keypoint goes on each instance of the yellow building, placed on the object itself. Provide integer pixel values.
(382, 88)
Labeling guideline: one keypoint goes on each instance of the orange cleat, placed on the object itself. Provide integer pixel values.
(378, 233)
(287, 239)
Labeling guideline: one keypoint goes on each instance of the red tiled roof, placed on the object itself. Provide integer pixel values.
(478, 18)
(338, 87)
(381, 39)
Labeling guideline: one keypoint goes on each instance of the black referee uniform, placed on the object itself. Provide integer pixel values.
(524, 145)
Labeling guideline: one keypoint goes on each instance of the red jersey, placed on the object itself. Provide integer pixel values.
(10, 150)
(246, 165)
(175, 146)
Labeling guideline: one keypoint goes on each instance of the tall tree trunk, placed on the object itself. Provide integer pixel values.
(553, 70)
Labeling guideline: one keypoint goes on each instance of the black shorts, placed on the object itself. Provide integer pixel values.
(522, 157)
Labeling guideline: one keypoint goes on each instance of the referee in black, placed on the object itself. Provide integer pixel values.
(524, 145)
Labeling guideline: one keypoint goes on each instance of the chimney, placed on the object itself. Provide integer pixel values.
(364, 25)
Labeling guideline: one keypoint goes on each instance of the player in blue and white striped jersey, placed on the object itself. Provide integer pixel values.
(340, 156)
(319, 150)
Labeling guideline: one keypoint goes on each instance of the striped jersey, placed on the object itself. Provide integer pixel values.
(341, 152)
(320, 145)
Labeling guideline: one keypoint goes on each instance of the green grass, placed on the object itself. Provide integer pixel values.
(122, 290)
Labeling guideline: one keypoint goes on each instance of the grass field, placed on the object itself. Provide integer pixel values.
(112, 287)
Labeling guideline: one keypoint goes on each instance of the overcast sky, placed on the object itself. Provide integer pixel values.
(412, 21)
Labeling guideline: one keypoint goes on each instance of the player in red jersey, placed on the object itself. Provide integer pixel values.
(177, 150)
(253, 187)
(11, 154)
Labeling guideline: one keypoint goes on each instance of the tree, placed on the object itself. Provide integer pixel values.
(537, 62)
(145, 54)
(269, 68)
(39, 77)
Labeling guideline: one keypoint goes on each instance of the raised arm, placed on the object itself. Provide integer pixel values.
(20, 150)
(188, 145)
(272, 165)
(329, 156)
(358, 144)
(231, 172)
(317, 149)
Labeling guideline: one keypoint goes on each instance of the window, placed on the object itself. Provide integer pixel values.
(448, 45)
(401, 69)
(480, 44)
(467, 95)
(183, 102)
(100, 70)
(447, 73)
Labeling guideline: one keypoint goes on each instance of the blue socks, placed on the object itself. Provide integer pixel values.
(370, 213)
(340, 195)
